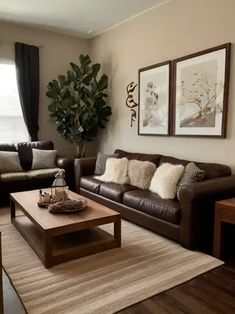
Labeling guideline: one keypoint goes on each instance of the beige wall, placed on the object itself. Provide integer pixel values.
(167, 32)
(57, 52)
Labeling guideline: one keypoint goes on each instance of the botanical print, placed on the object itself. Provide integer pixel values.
(154, 100)
(200, 94)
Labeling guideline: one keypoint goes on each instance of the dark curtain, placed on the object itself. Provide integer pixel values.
(27, 73)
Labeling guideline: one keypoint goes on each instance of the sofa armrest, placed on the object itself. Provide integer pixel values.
(68, 165)
(83, 167)
(197, 202)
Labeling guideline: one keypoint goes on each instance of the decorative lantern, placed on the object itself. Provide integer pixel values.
(59, 190)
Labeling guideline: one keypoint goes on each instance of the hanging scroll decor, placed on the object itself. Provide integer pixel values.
(130, 103)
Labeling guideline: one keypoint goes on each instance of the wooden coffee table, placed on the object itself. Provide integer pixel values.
(57, 238)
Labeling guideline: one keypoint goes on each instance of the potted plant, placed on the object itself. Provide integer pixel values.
(78, 104)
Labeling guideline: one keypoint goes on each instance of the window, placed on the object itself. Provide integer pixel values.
(12, 126)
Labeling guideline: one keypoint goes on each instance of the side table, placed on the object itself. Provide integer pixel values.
(224, 212)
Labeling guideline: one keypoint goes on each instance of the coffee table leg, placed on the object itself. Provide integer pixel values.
(13, 209)
(47, 250)
(117, 230)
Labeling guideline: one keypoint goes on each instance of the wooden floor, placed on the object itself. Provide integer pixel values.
(212, 292)
(12, 303)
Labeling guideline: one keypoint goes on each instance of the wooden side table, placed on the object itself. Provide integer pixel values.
(224, 212)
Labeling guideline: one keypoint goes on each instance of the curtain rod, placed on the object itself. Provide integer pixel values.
(13, 43)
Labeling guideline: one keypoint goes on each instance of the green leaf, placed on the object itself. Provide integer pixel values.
(88, 93)
(53, 107)
(103, 83)
(76, 69)
(93, 86)
(71, 75)
(64, 92)
(55, 85)
(105, 111)
(100, 95)
(84, 60)
(87, 79)
(95, 68)
(52, 86)
(66, 103)
(51, 94)
(99, 103)
(62, 80)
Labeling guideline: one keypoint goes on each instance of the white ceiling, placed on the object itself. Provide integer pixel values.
(85, 18)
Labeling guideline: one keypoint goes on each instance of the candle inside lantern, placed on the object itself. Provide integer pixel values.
(59, 190)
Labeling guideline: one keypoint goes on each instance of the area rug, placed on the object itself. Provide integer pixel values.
(103, 283)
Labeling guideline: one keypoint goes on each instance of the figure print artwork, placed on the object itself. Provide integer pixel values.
(201, 93)
(154, 99)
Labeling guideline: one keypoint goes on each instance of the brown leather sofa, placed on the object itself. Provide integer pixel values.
(30, 180)
(188, 220)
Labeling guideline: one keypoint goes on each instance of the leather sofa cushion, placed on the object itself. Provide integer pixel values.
(25, 151)
(211, 170)
(8, 147)
(90, 183)
(14, 176)
(154, 158)
(114, 191)
(43, 173)
(173, 161)
(153, 205)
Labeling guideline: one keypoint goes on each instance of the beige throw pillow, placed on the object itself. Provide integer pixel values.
(140, 173)
(101, 162)
(165, 180)
(43, 158)
(115, 171)
(9, 162)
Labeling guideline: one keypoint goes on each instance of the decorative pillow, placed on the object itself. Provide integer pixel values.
(9, 162)
(43, 158)
(191, 174)
(165, 180)
(101, 162)
(115, 171)
(140, 173)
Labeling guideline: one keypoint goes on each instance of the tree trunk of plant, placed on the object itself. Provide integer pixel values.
(81, 150)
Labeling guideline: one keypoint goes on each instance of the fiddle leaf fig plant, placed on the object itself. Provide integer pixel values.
(78, 105)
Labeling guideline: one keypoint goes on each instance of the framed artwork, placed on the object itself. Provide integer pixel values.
(154, 99)
(200, 93)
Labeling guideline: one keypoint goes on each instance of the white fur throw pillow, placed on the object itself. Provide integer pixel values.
(165, 180)
(140, 173)
(115, 171)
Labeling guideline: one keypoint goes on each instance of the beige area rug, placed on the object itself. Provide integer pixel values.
(147, 264)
